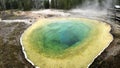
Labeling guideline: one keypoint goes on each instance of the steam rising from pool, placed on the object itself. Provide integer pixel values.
(97, 4)
(94, 8)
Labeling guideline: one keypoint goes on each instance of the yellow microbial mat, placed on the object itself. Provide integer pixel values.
(65, 42)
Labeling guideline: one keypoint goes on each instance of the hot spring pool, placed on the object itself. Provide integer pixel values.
(65, 42)
(58, 36)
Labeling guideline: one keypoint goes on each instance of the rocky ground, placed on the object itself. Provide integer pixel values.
(11, 55)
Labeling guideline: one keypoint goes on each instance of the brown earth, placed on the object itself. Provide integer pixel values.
(11, 55)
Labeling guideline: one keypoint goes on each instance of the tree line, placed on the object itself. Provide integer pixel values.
(38, 4)
(23, 4)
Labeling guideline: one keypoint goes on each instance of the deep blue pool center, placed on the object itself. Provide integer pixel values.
(60, 35)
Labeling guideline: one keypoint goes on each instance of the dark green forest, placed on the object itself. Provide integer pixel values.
(65, 4)
(23, 4)
(39, 4)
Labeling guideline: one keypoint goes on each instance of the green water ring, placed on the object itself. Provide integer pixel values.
(65, 42)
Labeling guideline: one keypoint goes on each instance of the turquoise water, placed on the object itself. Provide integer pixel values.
(56, 37)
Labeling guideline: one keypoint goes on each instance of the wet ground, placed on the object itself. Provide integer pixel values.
(11, 55)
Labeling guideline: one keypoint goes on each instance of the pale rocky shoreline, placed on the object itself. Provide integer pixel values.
(11, 55)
